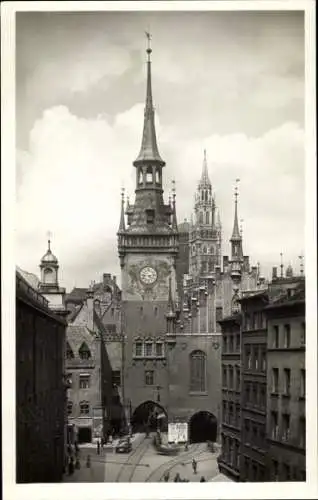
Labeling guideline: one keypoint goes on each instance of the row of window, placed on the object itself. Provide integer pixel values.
(85, 380)
(284, 472)
(253, 471)
(254, 433)
(286, 387)
(231, 451)
(231, 413)
(255, 357)
(255, 395)
(83, 352)
(231, 343)
(84, 407)
(205, 249)
(280, 431)
(148, 349)
(231, 377)
(254, 321)
(283, 339)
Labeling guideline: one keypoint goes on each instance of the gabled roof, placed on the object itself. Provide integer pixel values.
(289, 297)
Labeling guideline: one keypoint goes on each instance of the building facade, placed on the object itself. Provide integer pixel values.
(253, 393)
(286, 388)
(40, 387)
(271, 430)
(94, 405)
(230, 457)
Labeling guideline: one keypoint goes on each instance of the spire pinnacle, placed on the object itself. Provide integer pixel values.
(149, 148)
(122, 213)
(174, 214)
(236, 233)
(49, 236)
(281, 265)
(205, 174)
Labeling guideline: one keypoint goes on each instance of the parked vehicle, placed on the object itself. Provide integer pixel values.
(123, 446)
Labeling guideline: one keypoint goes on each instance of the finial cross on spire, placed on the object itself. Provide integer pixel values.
(149, 37)
(49, 236)
(236, 189)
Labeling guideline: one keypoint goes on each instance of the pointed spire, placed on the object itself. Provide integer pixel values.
(205, 180)
(122, 213)
(174, 214)
(236, 232)
(149, 149)
(171, 312)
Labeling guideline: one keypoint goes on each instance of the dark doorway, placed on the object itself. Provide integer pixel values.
(203, 427)
(146, 415)
(84, 435)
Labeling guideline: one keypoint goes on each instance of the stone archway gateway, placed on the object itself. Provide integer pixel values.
(149, 414)
(203, 427)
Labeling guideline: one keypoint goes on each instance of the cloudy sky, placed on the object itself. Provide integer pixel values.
(230, 82)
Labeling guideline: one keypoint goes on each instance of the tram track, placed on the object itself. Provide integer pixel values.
(157, 474)
(128, 468)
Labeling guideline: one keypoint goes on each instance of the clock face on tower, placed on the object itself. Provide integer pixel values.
(148, 275)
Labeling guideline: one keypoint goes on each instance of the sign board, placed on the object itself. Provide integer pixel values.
(178, 432)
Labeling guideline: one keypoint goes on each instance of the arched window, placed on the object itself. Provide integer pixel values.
(84, 352)
(207, 218)
(69, 407)
(69, 351)
(204, 249)
(212, 250)
(157, 176)
(140, 178)
(84, 407)
(48, 275)
(197, 371)
(200, 218)
(149, 175)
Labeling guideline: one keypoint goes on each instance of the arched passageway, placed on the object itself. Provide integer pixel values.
(203, 427)
(149, 415)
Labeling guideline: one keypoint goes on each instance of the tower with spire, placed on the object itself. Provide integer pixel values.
(205, 233)
(49, 284)
(148, 250)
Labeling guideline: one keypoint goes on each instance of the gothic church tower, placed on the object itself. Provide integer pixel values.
(205, 233)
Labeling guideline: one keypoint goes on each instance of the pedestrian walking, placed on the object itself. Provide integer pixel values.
(194, 465)
(202, 479)
(177, 478)
(71, 466)
(186, 446)
(166, 477)
(88, 461)
(98, 447)
(77, 463)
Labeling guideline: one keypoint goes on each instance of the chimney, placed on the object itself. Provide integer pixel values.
(274, 273)
(90, 309)
(254, 271)
(106, 278)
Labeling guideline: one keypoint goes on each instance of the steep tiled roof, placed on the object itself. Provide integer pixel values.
(289, 296)
(31, 278)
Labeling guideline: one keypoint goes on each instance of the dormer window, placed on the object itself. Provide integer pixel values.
(150, 216)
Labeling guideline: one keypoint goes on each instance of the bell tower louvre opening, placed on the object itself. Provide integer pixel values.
(203, 427)
(149, 415)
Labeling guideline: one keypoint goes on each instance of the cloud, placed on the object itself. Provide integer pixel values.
(73, 172)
